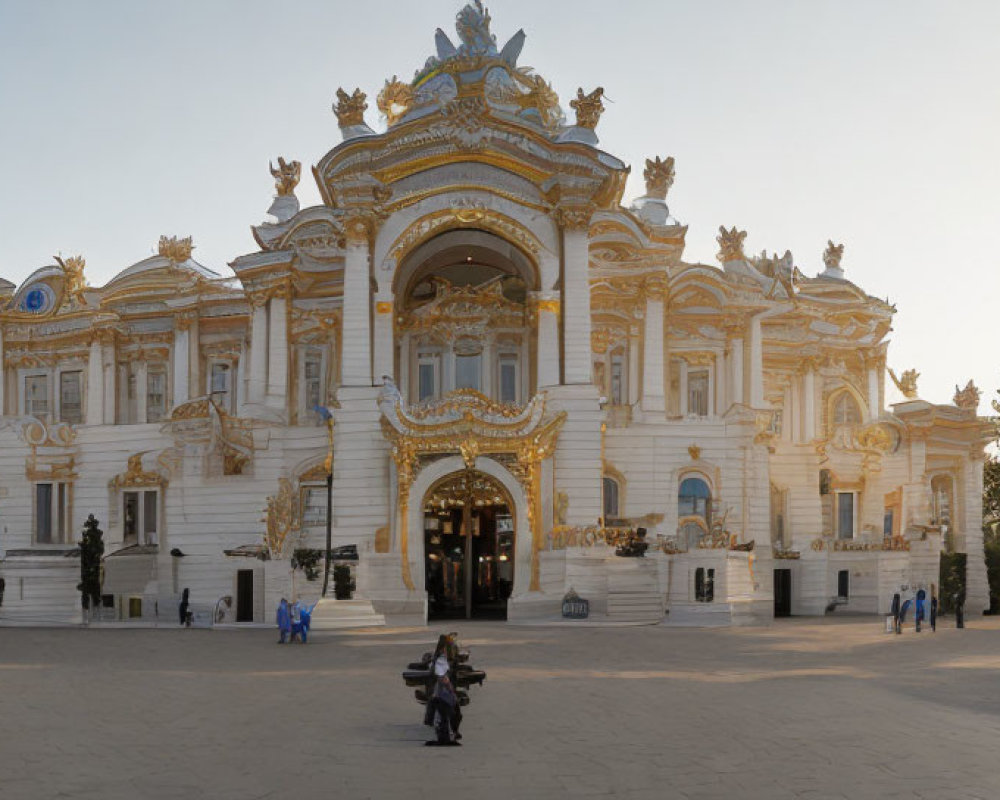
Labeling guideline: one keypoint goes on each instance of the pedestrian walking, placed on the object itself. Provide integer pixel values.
(934, 608)
(959, 599)
(182, 610)
(284, 619)
(918, 615)
(896, 623)
(443, 702)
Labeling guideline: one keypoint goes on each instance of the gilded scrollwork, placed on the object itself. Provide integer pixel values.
(730, 244)
(282, 518)
(175, 248)
(967, 398)
(588, 107)
(659, 176)
(395, 100)
(286, 176)
(135, 476)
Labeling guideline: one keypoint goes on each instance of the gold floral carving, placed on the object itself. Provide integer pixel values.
(282, 519)
(350, 108)
(659, 176)
(694, 451)
(574, 218)
(286, 176)
(76, 282)
(730, 244)
(383, 307)
(833, 254)
(175, 248)
(588, 107)
(135, 476)
(967, 398)
(395, 99)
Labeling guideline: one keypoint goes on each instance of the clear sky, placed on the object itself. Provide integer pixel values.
(876, 124)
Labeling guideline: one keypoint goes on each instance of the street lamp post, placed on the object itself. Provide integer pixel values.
(328, 466)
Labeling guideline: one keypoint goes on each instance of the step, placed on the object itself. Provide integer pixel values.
(331, 614)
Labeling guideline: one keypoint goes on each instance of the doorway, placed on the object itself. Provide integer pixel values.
(469, 547)
(782, 593)
(244, 595)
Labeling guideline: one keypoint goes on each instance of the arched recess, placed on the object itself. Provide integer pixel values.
(534, 234)
(835, 397)
(431, 475)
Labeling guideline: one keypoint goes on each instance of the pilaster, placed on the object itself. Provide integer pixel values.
(575, 224)
(545, 308)
(384, 340)
(257, 385)
(277, 351)
(95, 383)
(653, 394)
(356, 357)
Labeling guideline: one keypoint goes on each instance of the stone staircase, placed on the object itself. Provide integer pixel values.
(635, 606)
(332, 615)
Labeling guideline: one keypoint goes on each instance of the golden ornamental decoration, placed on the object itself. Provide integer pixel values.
(730, 244)
(542, 97)
(833, 254)
(906, 383)
(135, 476)
(350, 108)
(176, 249)
(967, 398)
(694, 451)
(395, 100)
(282, 519)
(588, 107)
(659, 176)
(76, 282)
(286, 176)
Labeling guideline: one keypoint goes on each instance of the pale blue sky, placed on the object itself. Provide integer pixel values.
(873, 123)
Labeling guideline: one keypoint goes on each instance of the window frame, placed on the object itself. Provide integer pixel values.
(230, 392)
(26, 409)
(433, 359)
(855, 513)
(159, 368)
(606, 482)
(698, 374)
(60, 375)
(60, 513)
(142, 536)
(503, 358)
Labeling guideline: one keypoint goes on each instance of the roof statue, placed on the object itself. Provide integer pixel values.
(659, 176)
(473, 26)
(730, 244)
(588, 108)
(175, 249)
(286, 176)
(906, 383)
(395, 100)
(831, 259)
(76, 281)
(350, 108)
(968, 397)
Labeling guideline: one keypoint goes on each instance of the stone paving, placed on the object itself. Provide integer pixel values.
(830, 708)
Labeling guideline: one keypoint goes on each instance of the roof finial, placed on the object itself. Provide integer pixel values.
(588, 108)
(350, 108)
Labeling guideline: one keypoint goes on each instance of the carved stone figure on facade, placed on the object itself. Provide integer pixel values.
(76, 281)
(659, 176)
(286, 176)
(831, 260)
(730, 244)
(588, 108)
(906, 383)
(350, 108)
(968, 397)
(175, 248)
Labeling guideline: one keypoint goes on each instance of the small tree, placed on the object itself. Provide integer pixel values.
(91, 550)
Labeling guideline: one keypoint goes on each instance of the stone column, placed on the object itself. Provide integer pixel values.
(736, 359)
(873, 405)
(488, 364)
(195, 377)
(141, 390)
(545, 308)
(633, 366)
(653, 394)
(719, 368)
(385, 345)
(182, 391)
(575, 224)
(110, 367)
(356, 347)
(756, 364)
(977, 591)
(277, 351)
(257, 385)
(809, 404)
(95, 383)
(683, 399)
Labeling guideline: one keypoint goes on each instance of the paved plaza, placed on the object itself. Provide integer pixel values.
(829, 708)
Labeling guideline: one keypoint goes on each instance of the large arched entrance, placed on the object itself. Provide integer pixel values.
(469, 546)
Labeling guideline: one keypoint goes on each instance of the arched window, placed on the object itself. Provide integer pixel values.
(610, 499)
(694, 499)
(845, 410)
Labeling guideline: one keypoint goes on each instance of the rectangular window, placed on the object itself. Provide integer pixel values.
(43, 513)
(314, 506)
(140, 517)
(426, 377)
(468, 372)
(220, 381)
(51, 513)
(887, 522)
(617, 381)
(698, 393)
(843, 584)
(508, 379)
(71, 397)
(312, 374)
(156, 393)
(36, 395)
(845, 515)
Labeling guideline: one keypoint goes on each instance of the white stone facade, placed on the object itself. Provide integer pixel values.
(543, 337)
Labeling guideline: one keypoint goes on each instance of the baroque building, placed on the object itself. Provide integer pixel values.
(503, 368)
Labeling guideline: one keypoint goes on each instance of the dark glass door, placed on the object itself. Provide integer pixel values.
(782, 593)
(244, 595)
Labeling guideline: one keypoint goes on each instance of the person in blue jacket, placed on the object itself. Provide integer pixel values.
(284, 620)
